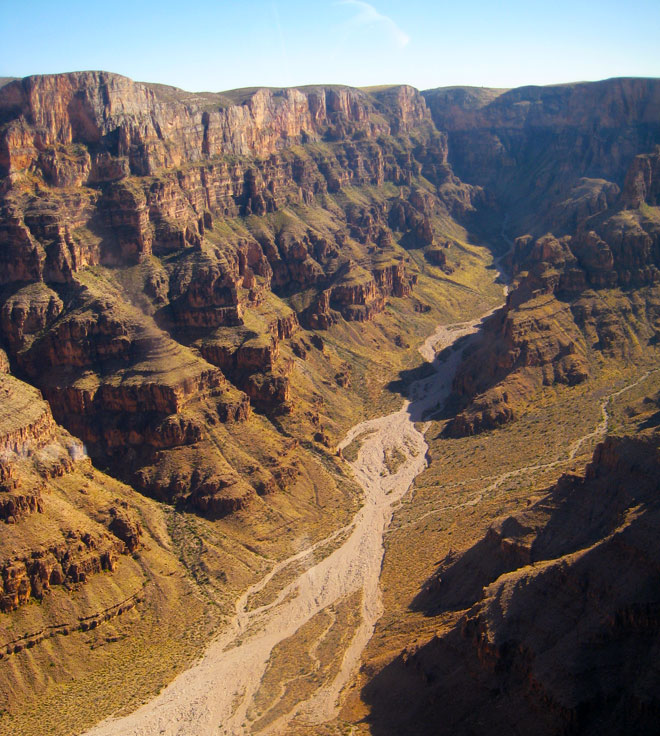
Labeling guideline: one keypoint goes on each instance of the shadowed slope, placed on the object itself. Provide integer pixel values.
(562, 632)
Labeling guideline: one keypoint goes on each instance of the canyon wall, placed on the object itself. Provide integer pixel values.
(561, 628)
(230, 211)
(551, 154)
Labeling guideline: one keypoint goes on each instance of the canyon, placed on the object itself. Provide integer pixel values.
(211, 306)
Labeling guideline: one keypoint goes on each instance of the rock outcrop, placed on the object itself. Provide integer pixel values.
(561, 634)
(37, 554)
(642, 183)
(595, 290)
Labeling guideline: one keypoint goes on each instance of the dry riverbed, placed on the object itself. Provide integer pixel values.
(292, 655)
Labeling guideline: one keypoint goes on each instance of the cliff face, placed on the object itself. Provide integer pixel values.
(37, 554)
(122, 127)
(556, 595)
(549, 154)
(242, 159)
(609, 104)
(592, 292)
(159, 250)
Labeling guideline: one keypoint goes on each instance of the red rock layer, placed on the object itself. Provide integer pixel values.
(35, 450)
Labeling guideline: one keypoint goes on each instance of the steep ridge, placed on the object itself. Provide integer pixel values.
(577, 301)
(561, 633)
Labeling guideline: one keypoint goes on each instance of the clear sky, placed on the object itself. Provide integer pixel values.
(215, 45)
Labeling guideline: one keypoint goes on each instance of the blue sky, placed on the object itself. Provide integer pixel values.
(203, 45)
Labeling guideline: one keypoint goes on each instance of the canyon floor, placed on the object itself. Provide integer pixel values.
(295, 644)
(288, 661)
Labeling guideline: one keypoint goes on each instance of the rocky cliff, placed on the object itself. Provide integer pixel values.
(34, 450)
(561, 631)
(123, 127)
(551, 155)
(158, 249)
(575, 299)
(593, 293)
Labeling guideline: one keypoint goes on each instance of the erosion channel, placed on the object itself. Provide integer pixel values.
(289, 653)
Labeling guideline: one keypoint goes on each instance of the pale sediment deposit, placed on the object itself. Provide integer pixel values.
(218, 694)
